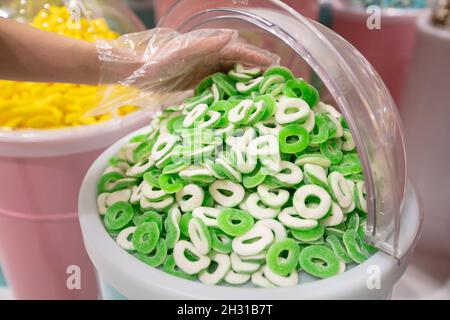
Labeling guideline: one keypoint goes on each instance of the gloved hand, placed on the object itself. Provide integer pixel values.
(160, 64)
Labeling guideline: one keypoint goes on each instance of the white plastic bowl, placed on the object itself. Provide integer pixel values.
(124, 276)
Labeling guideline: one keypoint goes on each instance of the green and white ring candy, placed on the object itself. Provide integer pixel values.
(140, 168)
(257, 208)
(162, 146)
(106, 200)
(160, 205)
(319, 261)
(338, 249)
(283, 265)
(191, 196)
(314, 158)
(269, 82)
(263, 146)
(315, 174)
(209, 120)
(198, 263)
(145, 237)
(226, 193)
(101, 203)
(247, 134)
(291, 110)
(152, 193)
(290, 173)
(244, 162)
(310, 211)
(157, 256)
(281, 281)
(253, 242)
(172, 225)
(220, 241)
(240, 113)
(352, 206)
(246, 87)
(118, 216)
(123, 238)
(238, 76)
(228, 169)
(279, 231)
(253, 72)
(288, 218)
(335, 218)
(348, 142)
(236, 278)
(197, 173)
(240, 266)
(271, 162)
(216, 276)
(359, 194)
(272, 197)
(310, 236)
(235, 222)
(136, 193)
(340, 189)
(207, 214)
(195, 114)
(117, 196)
(355, 246)
(259, 280)
(199, 235)
(309, 122)
(268, 127)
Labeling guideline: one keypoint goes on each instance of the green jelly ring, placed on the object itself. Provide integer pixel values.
(145, 237)
(283, 265)
(293, 138)
(235, 222)
(118, 216)
(319, 261)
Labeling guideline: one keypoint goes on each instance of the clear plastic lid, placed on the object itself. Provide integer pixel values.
(345, 79)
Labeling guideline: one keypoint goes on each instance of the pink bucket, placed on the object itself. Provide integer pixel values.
(41, 247)
(388, 49)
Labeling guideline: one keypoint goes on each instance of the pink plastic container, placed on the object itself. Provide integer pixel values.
(308, 8)
(38, 252)
(40, 236)
(389, 49)
(41, 249)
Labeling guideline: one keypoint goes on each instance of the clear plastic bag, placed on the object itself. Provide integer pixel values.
(29, 107)
(158, 67)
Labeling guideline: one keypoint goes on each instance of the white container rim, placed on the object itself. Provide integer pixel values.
(66, 141)
(144, 282)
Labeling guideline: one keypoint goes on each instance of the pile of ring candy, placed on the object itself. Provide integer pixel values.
(252, 179)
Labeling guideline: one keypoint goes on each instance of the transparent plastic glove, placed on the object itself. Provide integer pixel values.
(157, 67)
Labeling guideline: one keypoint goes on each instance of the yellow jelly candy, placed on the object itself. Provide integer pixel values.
(55, 105)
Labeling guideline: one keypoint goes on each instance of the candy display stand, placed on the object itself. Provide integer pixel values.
(426, 101)
(389, 49)
(394, 211)
(40, 238)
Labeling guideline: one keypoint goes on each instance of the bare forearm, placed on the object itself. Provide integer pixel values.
(29, 54)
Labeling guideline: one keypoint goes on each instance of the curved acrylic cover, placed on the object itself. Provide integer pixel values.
(346, 78)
